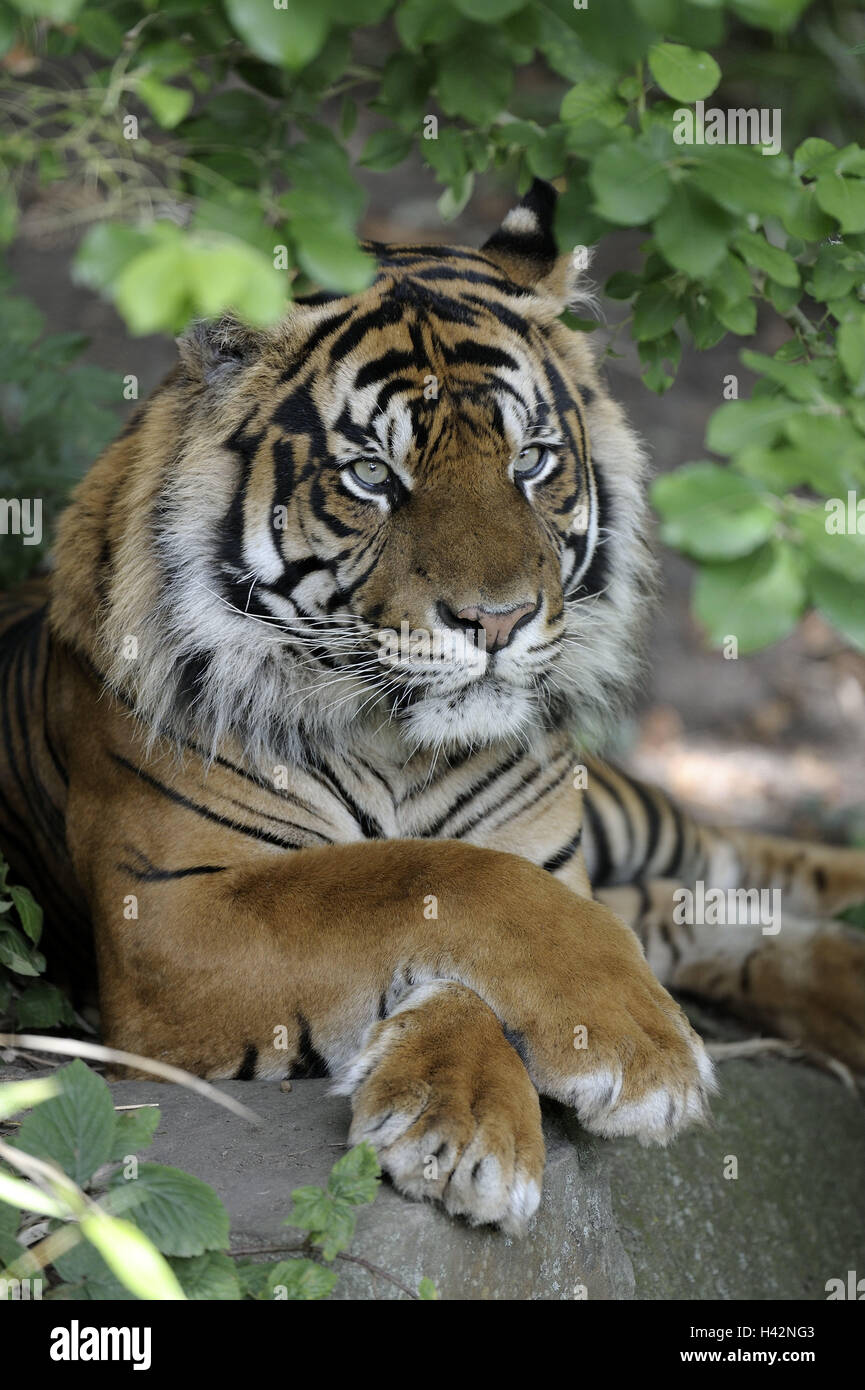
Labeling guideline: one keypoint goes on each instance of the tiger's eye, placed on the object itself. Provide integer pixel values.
(371, 472)
(528, 460)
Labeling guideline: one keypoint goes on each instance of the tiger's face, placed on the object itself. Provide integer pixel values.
(413, 508)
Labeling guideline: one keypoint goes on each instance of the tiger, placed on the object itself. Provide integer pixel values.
(298, 732)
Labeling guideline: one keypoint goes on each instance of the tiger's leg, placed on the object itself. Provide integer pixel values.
(322, 945)
(804, 982)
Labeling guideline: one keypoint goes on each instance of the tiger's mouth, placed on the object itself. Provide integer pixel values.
(442, 687)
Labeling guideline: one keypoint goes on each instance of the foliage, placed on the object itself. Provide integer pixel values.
(220, 177)
(56, 414)
(26, 1001)
(84, 1216)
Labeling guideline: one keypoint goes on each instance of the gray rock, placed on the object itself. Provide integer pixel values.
(617, 1221)
(574, 1240)
(793, 1218)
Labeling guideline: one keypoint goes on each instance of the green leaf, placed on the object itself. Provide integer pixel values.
(474, 82)
(831, 441)
(692, 231)
(168, 104)
(427, 1290)
(43, 1006)
(105, 250)
(210, 1277)
(828, 539)
(758, 599)
(712, 513)
(131, 1257)
(739, 423)
(488, 11)
(385, 148)
(228, 274)
(843, 198)
(87, 1273)
(593, 99)
(813, 156)
(851, 352)
(356, 1176)
(21, 1095)
(10, 1220)
(706, 328)
(758, 252)
(840, 601)
(8, 28)
(683, 73)
(134, 1130)
(59, 11)
(831, 278)
(655, 312)
(288, 37)
(332, 258)
(427, 21)
(629, 188)
(802, 216)
(17, 954)
(299, 1279)
(775, 15)
(253, 1276)
(29, 912)
(152, 291)
(741, 179)
(8, 216)
(329, 1219)
(654, 355)
(622, 284)
(800, 380)
(76, 1128)
(310, 1208)
(100, 31)
(178, 1212)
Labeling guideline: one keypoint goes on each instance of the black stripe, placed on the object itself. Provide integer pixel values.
(471, 793)
(308, 1062)
(600, 871)
(180, 800)
(564, 854)
(246, 1070)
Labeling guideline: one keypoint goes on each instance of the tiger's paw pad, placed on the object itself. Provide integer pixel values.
(451, 1125)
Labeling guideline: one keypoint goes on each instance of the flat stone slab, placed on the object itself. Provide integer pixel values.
(574, 1240)
(794, 1216)
(616, 1220)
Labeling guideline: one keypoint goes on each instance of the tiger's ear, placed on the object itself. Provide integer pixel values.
(212, 348)
(525, 246)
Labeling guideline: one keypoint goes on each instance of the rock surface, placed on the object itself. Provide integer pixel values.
(616, 1220)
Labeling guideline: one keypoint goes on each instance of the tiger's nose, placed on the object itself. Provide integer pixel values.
(498, 627)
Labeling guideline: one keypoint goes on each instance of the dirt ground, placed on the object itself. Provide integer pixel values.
(776, 739)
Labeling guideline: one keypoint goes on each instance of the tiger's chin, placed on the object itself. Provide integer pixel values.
(484, 713)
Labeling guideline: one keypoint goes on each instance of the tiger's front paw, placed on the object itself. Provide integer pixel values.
(449, 1108)
(603, 1036)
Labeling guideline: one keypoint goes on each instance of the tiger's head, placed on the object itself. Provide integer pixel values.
(414, 508)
